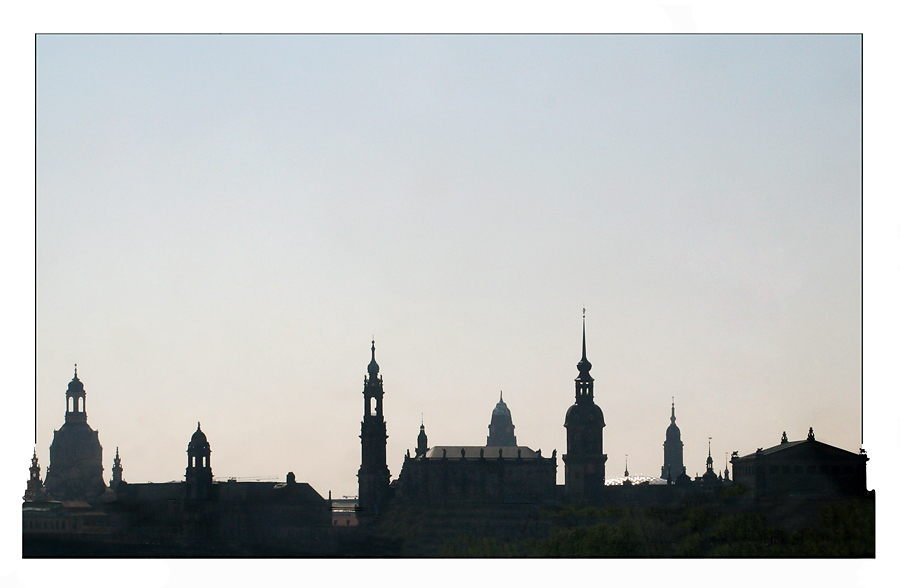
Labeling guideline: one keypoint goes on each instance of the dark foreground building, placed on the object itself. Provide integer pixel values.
(806, 468)
(499, 499)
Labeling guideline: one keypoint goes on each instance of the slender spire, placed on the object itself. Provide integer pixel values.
(501, 395)
(673, 410)
(76, 371)
(584, 366)
(583, 335)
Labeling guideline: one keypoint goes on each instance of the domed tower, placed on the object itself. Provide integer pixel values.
(500, 431)
(198, 476)
(374, 476)
(584, 458)
(76, 456)
(673, 450)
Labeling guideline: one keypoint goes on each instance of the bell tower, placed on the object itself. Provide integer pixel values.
(75, 409)
(421, 441)
(116, 472)
(584, 458)
(673, 450)
(374, 476)
(198, 476)
(35, 488)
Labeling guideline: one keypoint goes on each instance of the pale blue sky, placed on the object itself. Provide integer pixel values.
(225, 221)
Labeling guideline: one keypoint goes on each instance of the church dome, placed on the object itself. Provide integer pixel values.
(75, 386)
(198, 440)
(673, 433)
(584, 414)
(584, 365)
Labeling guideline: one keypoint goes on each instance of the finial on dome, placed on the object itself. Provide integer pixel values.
(76, 371)
(501, 395)
(198, 425)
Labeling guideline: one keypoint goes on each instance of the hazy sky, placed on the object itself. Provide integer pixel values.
(224, 222)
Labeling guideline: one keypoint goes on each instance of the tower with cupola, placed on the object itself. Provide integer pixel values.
(584, 458)
(76, 456)
(673, 450)
(374, 476)
(198, 477)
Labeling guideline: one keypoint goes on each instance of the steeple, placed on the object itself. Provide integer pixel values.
(709, 459)
(374, 476)
(421, 441)
(584, 458)
(34, 490)
(116, 471)
(584, 383)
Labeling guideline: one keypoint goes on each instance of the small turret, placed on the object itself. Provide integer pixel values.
(116, 472)
(422, 441)
(34, 491)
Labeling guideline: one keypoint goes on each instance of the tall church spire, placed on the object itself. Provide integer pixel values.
(584, 383)
(374, 476)
(584, 458)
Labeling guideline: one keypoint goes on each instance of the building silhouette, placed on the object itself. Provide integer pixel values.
(34, 490)
(806, 468)
(76, 456)
(443, 493)
(673, 451)
(584, 458)
(374, 476)
(116, 479)
(198, 476)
